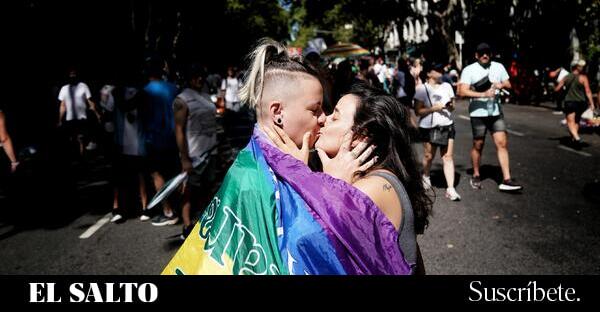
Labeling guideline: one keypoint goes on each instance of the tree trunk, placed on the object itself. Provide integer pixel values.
(445, 29)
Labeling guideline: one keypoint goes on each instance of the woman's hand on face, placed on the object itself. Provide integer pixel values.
(287, 145)
(348, 161)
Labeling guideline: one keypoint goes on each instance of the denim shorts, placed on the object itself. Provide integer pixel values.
(480, 125)
(424, 133)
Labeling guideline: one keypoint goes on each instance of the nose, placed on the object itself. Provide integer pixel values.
(322, 119)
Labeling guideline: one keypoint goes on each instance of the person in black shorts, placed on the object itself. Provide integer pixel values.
(578, 98)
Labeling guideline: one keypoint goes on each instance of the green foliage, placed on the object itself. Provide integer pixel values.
(258, 18)
(368, 18)
(588, 27)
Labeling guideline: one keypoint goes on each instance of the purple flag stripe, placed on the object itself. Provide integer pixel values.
(362, 232)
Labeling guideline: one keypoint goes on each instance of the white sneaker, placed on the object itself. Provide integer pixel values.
(91, 146)
(144, 216)
(116, 218)
(426, 182)
(452, 194)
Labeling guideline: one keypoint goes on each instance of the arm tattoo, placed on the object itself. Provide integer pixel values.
(387, 187)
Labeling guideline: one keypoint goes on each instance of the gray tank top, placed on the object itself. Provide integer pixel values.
(201, 124)
(407, 239)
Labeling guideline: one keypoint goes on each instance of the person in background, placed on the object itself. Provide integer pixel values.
(558, 74)
(196, 136)
(129, 151)
(366, 73)
(6, 144)
(161, 149)
(405, 90)
(381, 70)
(75, 97)
(434, 102)
(230, 89)
(416, 66)
(481, 82)
(578, 98)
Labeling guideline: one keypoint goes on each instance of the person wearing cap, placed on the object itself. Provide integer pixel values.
(577, 99)
(482, 82)
(434, 102)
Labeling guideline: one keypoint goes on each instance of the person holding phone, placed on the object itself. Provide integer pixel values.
(482, 82)
(434, 102)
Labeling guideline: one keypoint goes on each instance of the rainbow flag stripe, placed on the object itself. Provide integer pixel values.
(273, 215)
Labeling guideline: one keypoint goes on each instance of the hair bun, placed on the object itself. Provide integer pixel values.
(275, 54)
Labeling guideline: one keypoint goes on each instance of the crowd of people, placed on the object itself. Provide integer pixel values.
(150, 129)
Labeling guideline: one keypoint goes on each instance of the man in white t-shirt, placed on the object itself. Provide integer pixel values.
(482, 82)
(230, 88)
(74, 99)
(559, 74)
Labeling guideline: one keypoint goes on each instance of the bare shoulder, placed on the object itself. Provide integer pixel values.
(382, 193)
(373, 186)
(179, 104)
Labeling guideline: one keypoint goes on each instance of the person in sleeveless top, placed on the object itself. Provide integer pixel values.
(577, 99)
(370, 127)
(196, 136)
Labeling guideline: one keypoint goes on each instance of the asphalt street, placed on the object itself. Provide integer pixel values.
(552, 227)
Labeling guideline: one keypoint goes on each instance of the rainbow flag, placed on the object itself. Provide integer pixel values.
(273, 215)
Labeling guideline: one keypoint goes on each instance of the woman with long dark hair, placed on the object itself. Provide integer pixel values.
(393, 183)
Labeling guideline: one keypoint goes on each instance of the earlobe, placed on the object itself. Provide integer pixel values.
(276, 112)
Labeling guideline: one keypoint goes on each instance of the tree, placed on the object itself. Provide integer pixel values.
(361, 21)
(447, 18)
